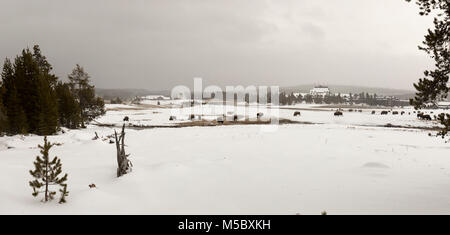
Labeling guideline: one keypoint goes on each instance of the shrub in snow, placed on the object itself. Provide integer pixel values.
(47, 175)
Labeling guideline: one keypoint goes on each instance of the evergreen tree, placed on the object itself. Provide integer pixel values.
(17, 122)
(282, 98)
(444, 118)
(68, 107)
(299, 98)
(48, 113)
(48, 117)
(327, 99)
(29, 97)
(26, 81)
(95, 106)
(318, 99)
(90, 105)
(309, 99)
(435, 85)
(44, 66)
(117, 100)
(47, 174)
(3, 118)
(340, 99)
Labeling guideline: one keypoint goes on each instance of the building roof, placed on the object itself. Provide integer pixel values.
(320, 89)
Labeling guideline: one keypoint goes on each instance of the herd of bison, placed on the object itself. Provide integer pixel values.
(420, 115)
(339, 112)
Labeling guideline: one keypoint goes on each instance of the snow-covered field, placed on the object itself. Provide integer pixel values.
(342, 165)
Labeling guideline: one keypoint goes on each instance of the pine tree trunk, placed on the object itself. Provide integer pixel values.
(82, 119)
(46, 181)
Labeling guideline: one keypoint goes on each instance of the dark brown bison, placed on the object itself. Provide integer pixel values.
(427, 117)
(395, 113)
(171, 118)
(384, 112)
(424, 116)
(235, 118)
(374, 112)
(126, 119)
(338, 113)
(297, 113)
(259, 115)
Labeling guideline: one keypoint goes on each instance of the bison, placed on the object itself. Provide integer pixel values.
(259, 115)
(171, 118)
(338, 113)
(384, 112)
(395, 113)
(297, 113)
(126, 119)
(427, 117)
(374, 112)
(424, 116)
(235, 118)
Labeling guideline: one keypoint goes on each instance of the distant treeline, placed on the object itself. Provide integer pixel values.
(362, 98)
(33, 100)
(123, 94)
(292, 98)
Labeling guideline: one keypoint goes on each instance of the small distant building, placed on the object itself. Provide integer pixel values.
(320, 91)
(156, 97)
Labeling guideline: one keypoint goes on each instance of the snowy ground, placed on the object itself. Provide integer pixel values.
(343, 165)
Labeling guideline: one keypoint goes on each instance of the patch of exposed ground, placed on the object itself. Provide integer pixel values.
(140, 107)
(205, 123)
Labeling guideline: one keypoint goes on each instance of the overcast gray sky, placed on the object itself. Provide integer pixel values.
(158, 44)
